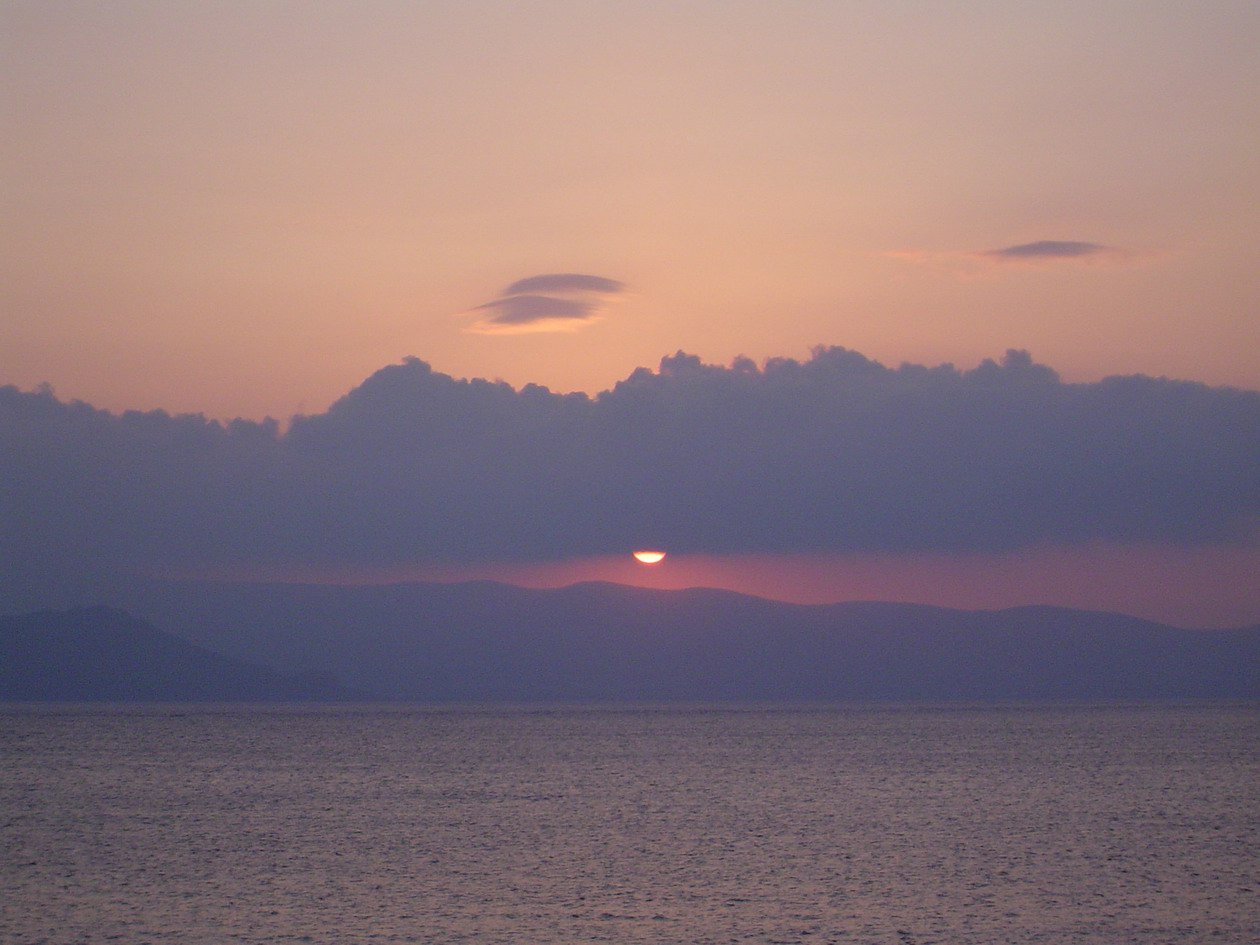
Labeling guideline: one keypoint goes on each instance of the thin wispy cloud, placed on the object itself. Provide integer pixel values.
(535, 313)
(1039, 253)
(1049, 249)
(563, 301)
(566, 282)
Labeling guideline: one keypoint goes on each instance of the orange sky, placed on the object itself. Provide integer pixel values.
(245, 209)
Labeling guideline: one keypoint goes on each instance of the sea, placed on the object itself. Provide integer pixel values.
(946, 825)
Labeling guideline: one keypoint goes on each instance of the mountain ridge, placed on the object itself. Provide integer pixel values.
(598, 641)
(104, 654)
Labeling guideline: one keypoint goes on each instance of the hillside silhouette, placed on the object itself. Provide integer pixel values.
(490, 642)
(100, 654)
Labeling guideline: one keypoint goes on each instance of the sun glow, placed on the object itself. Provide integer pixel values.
(649, 557)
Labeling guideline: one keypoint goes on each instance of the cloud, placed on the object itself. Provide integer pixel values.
(535, 313)
(836, 453)
(566, 282)
(982, 263)
(1049, 249)
(563, 301)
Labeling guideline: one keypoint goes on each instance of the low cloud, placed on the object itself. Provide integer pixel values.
(836, 453)
(563, 301)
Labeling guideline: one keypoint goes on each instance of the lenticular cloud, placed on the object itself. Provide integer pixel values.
(552, 302)
(1050, 249)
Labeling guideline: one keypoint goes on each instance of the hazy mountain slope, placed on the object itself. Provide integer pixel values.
(101, 654)
(494, 642)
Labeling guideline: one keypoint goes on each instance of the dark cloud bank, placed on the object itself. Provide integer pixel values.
(834, 453)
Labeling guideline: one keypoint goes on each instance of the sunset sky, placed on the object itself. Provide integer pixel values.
(246, 209)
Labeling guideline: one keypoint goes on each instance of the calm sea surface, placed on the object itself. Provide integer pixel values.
(854, 825)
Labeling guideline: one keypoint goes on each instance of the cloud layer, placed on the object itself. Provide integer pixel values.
(836, 453)
(551, 302)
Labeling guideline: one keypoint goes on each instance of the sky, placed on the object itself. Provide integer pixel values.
(249, 209)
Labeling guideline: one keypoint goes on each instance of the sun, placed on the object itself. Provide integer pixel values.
(649, 557)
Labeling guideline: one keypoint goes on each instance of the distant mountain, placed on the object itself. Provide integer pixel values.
(488, 642)
(100, 654)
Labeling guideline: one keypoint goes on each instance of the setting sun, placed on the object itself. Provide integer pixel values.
(649, 557)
